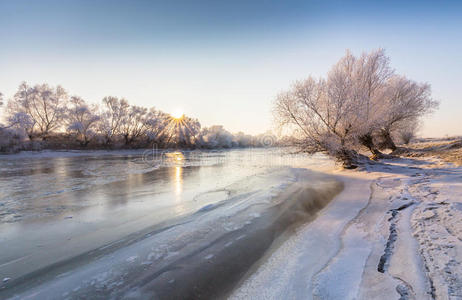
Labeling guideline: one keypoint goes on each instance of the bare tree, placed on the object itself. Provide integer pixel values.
(44, 105)
(21, 121)
(133, 123)
(187, 130)
(216, 137)
(183, 131)
(1, 104)
(406, 131)
(405, 101)
(157, 126)
(40, 111)
(362, 81)
(243, 140)
(321, 117)
(113, 115)
(82, 120)
(360, 98)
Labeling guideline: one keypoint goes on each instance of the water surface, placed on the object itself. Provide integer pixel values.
(59, 211)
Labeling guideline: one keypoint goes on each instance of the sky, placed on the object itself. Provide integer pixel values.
(224, 62)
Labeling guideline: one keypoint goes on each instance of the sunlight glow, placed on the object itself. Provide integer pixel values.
(178, 114)
(178, 188)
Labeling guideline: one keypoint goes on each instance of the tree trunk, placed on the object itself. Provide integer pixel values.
(349, 158)
(367, 141)
(389, 143)
(85, 142)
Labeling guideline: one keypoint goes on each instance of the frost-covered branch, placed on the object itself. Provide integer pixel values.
(361, 102)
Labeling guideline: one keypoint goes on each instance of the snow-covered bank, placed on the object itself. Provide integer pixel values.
(289, 271)
(393, 233)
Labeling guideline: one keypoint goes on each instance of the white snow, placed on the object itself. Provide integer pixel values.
(411, 224)
(132, 259)
(289, 271)
(209, 256)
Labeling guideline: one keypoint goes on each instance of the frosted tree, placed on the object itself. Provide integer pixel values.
(361, 98)
(362, 81)
(405, 131)
(133, 123)
(183, 131)
(405, 101)
(321, 118)
(216, 137)
(13, 134)
(44, 105)
(113, 114)
(40, 111)
(156, 126)
(82, 120)
(242, 139)
(1, 104)
(21, 121)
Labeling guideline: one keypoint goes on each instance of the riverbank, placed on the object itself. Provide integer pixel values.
(393, 233)
(447, 149)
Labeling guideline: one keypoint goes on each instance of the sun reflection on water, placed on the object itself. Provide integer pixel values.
(174, 158)
(178, 180)
(177, 160)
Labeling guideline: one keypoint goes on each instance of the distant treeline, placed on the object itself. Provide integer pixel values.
(45, 117)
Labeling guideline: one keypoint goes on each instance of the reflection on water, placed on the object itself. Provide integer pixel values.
(178, 180)
(43, 188)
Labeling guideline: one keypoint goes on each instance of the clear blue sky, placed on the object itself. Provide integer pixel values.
(224, 61)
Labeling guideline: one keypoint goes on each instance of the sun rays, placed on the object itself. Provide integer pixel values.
(178, 114)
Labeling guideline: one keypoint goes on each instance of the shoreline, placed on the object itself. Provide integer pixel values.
(388, 243)
(64, 153)
(307, 251)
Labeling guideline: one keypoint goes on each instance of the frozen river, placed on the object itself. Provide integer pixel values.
(149, 224)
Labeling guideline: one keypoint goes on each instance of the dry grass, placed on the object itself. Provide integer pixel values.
(449, 149)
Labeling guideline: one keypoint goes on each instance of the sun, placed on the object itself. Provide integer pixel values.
(177, 114)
